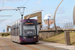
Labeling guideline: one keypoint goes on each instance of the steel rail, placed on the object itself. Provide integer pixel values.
(10, 45)
(31, 47)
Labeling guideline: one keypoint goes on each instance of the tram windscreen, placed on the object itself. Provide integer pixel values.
(29, 31)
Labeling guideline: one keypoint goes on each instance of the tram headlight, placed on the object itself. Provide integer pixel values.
(34, 36)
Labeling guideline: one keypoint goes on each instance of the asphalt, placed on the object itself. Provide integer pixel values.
(7, 44)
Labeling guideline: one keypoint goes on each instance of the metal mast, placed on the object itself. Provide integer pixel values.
(21, 12)
(8, 9)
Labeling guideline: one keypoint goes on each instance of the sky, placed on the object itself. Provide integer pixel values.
(64, 12)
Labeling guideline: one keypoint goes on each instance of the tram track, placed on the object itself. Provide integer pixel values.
(16, 46)
(38, 47)
(33, 48)
(46, 47)
(10, 45)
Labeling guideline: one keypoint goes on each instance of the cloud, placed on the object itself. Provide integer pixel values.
(7, 7)
(61, 10)
(3, 0)
(1, 20)
(37, 8)
(11, 0)
(64, 19)
(61, 20)
(4, 24)
(7, 21)
(32, 10)
(38, 2)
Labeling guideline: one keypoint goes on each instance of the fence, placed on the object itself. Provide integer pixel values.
(60, 26)
(68, 25)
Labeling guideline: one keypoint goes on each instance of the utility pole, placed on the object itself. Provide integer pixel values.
(21, 12)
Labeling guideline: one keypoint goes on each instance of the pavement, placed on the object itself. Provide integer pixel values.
(58, 45)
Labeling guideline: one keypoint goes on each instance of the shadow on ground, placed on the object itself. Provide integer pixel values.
(30, 43)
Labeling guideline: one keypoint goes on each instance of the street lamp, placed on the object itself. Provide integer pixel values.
(48, 23)
(54, 17)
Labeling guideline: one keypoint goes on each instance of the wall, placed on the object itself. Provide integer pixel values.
(44, 35)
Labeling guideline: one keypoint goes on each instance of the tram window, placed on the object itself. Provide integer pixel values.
(28, 27)
(29, 30)
(17, 31)
(20, 30)
(14, 31)
(11, 31)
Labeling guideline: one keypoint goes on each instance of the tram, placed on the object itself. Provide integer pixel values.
(25, 31)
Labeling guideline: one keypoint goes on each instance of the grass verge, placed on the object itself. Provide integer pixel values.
(61, 38)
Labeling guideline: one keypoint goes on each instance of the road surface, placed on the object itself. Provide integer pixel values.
(7, 44)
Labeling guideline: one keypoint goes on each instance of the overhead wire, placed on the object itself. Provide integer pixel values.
(15, 11)
(22, 6)
(8, 17)
(14, 21)
(2, 8)
(25, 3)
(12, 15)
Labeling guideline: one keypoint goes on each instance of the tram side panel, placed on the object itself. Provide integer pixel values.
(18, 33)
(12, 34)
